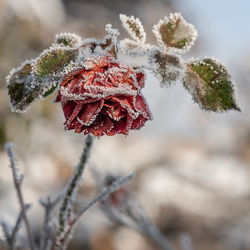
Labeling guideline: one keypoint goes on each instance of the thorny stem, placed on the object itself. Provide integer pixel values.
(106, 191)
(72, 186)
(46, 236)
(17, 183)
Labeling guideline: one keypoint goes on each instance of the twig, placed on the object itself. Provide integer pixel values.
(7, 235)
(17, 183)
(136, 220)
(46, 237)
(106, 191)
(71, 189)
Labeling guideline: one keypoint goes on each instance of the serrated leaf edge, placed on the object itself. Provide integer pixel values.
(124, 19)
(160, 42)
(215, 60)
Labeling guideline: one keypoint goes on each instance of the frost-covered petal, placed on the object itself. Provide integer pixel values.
(101, 97)
(138, 122)
(121, 127)
(127, 104)
(89, 112)
(106, 126)
(142, 107)
(114, 110)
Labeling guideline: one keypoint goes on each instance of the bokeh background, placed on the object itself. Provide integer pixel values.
(193, 167)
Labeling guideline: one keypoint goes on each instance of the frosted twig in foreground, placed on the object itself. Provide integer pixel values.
(12, 237)
(47, 236)
(17, 183)
(71, 189)
(128, 213)
(106, 191)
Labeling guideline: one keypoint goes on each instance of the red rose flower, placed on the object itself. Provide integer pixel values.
(103, 97)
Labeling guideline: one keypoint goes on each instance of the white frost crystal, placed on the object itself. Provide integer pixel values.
(68, 40)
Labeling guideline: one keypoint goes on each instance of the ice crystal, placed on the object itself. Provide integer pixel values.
(70, 40)
(175, 34)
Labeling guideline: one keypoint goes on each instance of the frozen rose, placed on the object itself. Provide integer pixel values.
(103, 97)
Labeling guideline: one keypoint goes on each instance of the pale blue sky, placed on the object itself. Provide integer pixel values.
(223, 25)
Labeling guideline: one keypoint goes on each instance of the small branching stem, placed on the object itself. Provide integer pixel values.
(17, 183)
(47, 237)
(106, 191)
(72, 188)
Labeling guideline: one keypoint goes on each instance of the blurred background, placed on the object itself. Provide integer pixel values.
(193, 165)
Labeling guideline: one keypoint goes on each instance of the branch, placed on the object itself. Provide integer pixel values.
(136, 219)
(17, 183)
(46, 237)
(106, 191)
(71, 189)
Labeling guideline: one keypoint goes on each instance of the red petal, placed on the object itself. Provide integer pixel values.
(140, 79)
(75, 124)
(114, 110)
(122, 126)
(100, 127)
(139, 122)
(71, 113)
(90, 112)
(105, 127)
(70, 76)
(126, 103)
(141, 107)
(68, 108)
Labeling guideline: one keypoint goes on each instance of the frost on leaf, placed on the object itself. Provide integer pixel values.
(134, 28)
(210, 85)
(49, 68)
(175, 33)
(133, 48)
(18, 85)
(70, 40)
(53, 61)
(167, 68)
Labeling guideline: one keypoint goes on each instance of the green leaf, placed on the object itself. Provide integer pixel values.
(167, 68)
(175, 33)
(17, 83)
(53, 61)
(70, 40)
(134, 28)
(210, 85)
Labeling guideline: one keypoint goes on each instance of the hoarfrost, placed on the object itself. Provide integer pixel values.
(167, 68)
(175, 34)
(134, 28)
(71, 40)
